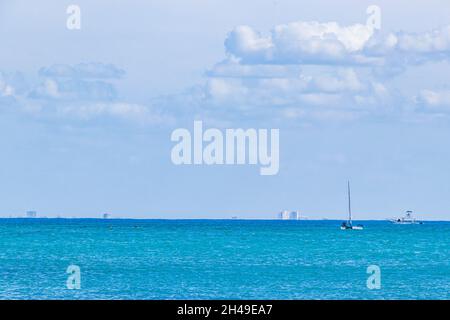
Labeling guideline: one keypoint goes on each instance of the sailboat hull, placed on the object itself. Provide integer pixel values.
(352, 228)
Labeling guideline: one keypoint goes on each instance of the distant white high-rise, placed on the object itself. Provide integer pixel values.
(294, 215)
(283, 215)
(31, 214)
(289, 215)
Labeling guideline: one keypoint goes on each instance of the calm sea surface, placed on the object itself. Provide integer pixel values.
(221, 259)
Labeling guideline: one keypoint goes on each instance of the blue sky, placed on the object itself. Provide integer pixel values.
(86, 115)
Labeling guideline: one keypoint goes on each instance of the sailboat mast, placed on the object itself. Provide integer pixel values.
(349, 203)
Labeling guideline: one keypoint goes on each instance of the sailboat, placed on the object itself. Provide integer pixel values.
(347, 225)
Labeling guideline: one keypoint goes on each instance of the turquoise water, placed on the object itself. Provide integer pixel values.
(214, 259)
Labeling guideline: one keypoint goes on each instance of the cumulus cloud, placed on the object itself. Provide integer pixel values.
(295, 91)
(273, 88)
(433, 100)
(330, 43)
(83, 71)
(83, 92)
(73, 89)
(327, 94)
(12, 83)
(320, 70)
(314, 71)
(81, 82)
(303, 66)
(435, 42)
(118, 110)
(5, 88)
(299, 43)
(232, 68)
(299, 70)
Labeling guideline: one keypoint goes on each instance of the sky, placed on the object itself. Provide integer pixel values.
(86, 115)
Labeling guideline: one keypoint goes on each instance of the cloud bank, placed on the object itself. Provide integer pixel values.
(313, 70)
(82, 92)
(300, 71)
(83, 71)
(329, 43)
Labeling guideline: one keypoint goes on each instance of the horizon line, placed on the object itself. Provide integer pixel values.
(212, 219)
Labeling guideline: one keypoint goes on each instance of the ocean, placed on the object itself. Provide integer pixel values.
(222, 259)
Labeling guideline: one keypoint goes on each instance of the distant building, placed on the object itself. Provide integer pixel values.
(289, 215)
(283, 215)
(294, 215)
(106, 216)
(31, 214)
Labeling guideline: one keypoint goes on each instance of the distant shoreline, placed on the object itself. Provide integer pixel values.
(198, 219)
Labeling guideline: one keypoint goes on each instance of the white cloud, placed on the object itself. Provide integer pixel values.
(11, 84)
(306, 70)
(434, 100)
(120, 110)
(81, 93)
(74, 89)
(231, 68)
(433, 42)
(302, 69)
(281, 91)
(246, 43)
(5, 89)
(339, 81)
(83, 70)
(320, 70)
(330, 43)
(299, 43)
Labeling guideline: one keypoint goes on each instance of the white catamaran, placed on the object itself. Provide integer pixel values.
(347, 225)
